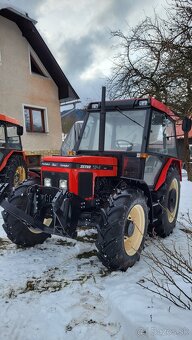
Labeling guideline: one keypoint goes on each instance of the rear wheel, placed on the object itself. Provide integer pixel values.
(122, 233)
(15, 172)
(166, 213)
(16, 231)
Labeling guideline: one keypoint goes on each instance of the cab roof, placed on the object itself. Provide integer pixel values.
(134, 103)
(8, 119)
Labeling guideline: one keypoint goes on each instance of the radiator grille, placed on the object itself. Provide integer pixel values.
(85, 184)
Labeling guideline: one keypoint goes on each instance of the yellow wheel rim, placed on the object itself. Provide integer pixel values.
(132, 243)
(171, 214)
(20, 176)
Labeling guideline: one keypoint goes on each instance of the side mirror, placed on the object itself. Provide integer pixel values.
(20, 130)
(186, 124)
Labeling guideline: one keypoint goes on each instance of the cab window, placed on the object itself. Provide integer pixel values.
(162, 137)
(90, 138)
(13, 140)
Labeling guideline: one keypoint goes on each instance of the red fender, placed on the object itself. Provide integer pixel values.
(5, 160)
(163, 175)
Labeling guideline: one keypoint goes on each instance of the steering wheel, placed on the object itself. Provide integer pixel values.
(123, 144)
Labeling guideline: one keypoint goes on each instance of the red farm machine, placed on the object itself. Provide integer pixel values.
(122, 177)
(13, 169)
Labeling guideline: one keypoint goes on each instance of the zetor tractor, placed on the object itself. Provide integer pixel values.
(13, 168)
(122, 177)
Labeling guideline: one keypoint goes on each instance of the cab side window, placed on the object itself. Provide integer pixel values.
(162, 137)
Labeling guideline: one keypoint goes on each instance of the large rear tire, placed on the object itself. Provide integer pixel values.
(122, 233)
(15, 172)
(167, 211)
(16, 231)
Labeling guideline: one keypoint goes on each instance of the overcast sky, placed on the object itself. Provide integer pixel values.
(78, 34)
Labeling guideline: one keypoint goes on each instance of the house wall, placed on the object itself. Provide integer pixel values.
(180, 143)
(19, 87)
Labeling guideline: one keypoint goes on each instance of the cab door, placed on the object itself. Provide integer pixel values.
(162, 145)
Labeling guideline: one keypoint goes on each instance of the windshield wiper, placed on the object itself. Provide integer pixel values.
(134, 121)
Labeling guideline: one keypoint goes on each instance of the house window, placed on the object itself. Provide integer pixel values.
(36, 68)
(34, 119)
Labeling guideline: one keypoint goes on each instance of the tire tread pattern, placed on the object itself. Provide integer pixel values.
(110, 241)
(16, 231)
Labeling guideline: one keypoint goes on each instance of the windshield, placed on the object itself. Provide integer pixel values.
(123, 131)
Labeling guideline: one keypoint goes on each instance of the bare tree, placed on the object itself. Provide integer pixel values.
(138, 69)
(156, 60)
(170, 271)
(181, 31)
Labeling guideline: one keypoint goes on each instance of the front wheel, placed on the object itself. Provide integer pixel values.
(122, 233)
(16, 231)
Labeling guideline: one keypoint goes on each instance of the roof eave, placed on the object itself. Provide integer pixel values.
(19, 12)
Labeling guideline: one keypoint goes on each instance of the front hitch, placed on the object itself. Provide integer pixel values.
(39, 199)
(26, 219)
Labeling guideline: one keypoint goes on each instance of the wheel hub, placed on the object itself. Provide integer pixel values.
(129, 228)
(172, 200)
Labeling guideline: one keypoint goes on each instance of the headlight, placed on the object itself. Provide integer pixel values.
(47, 182)
(63, 184)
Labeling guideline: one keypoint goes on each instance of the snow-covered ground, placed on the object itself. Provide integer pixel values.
(60, 290)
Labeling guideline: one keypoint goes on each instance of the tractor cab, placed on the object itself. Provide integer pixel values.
(140, 133)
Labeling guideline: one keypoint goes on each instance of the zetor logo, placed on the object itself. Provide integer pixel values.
(85, 166)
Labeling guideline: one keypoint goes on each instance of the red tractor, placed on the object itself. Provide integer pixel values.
(122, 177)
(13, 169)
